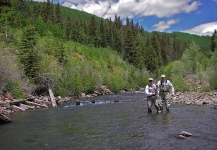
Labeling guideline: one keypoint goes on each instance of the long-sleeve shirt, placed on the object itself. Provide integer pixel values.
(149, 89)
(165, 86)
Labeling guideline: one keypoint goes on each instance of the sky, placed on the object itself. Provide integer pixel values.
(191, 16)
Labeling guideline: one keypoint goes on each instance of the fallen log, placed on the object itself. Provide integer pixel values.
(16, 102)
(26, 106)
(4, 118)
(16, 108)
(36, 104)
(42, 102)
(52, 98)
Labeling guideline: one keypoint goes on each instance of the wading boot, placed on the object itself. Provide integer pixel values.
(149, 110)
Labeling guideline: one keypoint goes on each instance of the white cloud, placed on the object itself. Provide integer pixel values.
(214, 1)
(163, 25)
(132, 8)
(203, 29)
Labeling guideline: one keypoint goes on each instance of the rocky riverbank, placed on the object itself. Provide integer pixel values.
(196, 98)
(9, 105)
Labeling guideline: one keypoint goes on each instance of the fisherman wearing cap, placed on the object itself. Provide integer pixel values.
(151, 92)
(165, 90)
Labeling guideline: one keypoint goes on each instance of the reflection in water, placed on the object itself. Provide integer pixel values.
(108, 125)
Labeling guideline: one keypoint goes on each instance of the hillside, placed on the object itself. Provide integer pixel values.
(50, 46)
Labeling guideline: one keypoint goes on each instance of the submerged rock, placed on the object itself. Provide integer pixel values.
(77, 103)
(181, 137)
(184, 133)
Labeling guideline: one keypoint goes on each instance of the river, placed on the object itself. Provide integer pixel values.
(125, 125)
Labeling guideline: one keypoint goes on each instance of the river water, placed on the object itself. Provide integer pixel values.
(125, 125)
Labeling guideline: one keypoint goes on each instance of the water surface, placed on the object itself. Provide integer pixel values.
(111, 126)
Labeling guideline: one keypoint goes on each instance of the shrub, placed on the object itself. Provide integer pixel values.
(213, 82)
(180, 84)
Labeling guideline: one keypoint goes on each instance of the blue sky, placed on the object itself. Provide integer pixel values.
(191, 16)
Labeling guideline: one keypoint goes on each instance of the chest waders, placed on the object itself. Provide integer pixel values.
(164, 95)
(152, 100)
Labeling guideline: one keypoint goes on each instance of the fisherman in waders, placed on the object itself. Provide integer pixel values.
(151, 92)
(166, 90)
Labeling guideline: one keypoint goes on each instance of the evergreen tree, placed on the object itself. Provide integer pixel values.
(131, 51)
(61, 53)
(69, 28)
(22, 6)
(103, 34)
(213, 44)
(128, 22)
(51, 12)
(110, 36)
(58, 15)
(117, 21)
(94, 32)
(150, 59)
(164, 44)
(4, 3)
(36, 11)
(118, 45)
(28, 54)
(155, 43)
(44, 12)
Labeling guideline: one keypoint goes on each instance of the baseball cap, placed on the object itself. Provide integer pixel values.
(163, 76)
(150, 79)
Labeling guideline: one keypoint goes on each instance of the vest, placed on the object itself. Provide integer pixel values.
(164, 87)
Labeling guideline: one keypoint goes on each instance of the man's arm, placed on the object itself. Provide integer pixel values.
(172, 88)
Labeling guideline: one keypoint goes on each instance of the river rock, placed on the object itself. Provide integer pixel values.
(181, 137)
(185, 133)
(77, 103)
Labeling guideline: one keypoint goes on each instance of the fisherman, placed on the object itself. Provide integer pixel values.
(166, 90)
(151, 92)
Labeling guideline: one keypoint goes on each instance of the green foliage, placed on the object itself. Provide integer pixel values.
(213, 71)
(180, 84)
(11, 78)
(29, 57)
(193, 58)
(213, 82)
(151, 59)
(213, 44)
(14, 88)
(213, 61)
(202, 41)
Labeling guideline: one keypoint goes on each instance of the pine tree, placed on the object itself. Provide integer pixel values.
(58, 15)
(131, 51)
(69, 28)
(150, 60)
(103, 34)
(117, 21)
(155, 43)
(4, 3)
(110, 36)
(164, 44)
(213, 44)
(28, 54)
(94, 32)
(36, 11)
